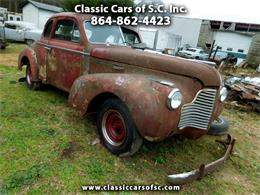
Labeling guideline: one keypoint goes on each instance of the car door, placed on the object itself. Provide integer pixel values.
(14, 32)
(42, 49)
(65, 55)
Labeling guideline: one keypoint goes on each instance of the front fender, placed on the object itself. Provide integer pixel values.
(28, 57)
(145, 99)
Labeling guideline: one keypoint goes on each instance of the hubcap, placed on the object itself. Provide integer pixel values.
(113, 127)
(28, 75)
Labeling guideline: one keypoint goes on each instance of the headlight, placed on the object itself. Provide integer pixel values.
(174, 99)
(223, 94)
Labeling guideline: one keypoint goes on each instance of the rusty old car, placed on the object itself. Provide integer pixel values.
(136, 94)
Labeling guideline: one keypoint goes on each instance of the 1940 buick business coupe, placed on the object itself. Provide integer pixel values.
(136, 94)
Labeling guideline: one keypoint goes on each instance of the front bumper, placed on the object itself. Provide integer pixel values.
(182, 178)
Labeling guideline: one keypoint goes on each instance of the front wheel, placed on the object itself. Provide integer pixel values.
(31, 84)
(117, 129)
(218, 127)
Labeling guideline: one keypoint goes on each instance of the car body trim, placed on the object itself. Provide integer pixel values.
(65, 49)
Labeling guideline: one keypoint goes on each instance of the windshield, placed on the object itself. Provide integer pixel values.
(192, 50)
(104, 34)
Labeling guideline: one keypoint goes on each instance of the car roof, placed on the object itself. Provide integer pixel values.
(195, 48)
(21, 23)
(78, 16)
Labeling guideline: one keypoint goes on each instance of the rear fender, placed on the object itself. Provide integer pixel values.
(145, 99)
(28, 57)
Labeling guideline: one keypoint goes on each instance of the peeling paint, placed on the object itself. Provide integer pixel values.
(141, 80)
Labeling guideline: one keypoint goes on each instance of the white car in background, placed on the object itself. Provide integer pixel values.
(22, 32)
(193, 53)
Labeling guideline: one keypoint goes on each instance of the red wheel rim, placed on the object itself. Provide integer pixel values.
(113, 127)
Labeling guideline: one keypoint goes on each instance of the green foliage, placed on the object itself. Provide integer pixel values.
(70, 4)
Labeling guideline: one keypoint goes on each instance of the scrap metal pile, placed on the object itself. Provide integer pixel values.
(244, 91)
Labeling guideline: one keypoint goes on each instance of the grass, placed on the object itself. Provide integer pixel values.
(13, 48)
(10, 54)
(47, 148)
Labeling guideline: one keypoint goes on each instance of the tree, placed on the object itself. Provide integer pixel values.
(70, 4)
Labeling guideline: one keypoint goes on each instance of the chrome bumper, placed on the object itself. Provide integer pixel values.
(182, 178)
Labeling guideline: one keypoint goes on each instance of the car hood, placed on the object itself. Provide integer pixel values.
(186, 52)
(34, 31)
(160, 62)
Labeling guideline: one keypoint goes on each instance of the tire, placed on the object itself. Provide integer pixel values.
(2, 45)
(29, 42)
(218, 127)
(31, 84)
(116, 128)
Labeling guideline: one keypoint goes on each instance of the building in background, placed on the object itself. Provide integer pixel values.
(254, 52)
(229, 36)
(38, 13)
(6, 15)
(182, 33)
(3, 14)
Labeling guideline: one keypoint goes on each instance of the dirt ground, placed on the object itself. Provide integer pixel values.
(11, 53)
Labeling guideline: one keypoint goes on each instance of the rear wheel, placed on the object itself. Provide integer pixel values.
(117, 129)
(31, 84)
(29, 42)
(2, 45)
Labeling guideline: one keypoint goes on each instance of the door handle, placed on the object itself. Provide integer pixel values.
(118, 67)
(47, 48)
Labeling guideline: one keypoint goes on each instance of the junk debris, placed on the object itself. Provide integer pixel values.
(244, 90)
(204, 169)
(258, 68)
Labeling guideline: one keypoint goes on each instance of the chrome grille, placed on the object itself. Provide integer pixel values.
(198, 113)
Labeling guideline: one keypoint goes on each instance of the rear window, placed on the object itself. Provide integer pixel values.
(192, 50)
(67, 30)
(48, 28)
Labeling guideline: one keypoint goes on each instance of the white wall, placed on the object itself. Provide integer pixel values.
(31, 14)
(14, 17)
(187, 28)
(43, 17)
(232, 40)
(35, 15)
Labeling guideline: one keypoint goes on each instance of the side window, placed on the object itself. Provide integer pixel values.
(10, 26)
(130, 36)
(76, 34)
(47, 29)
(67, 30)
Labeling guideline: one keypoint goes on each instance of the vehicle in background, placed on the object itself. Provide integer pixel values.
(22, 32)
(3, 42)
(193, 53)
(227, 56)
(3, 15)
